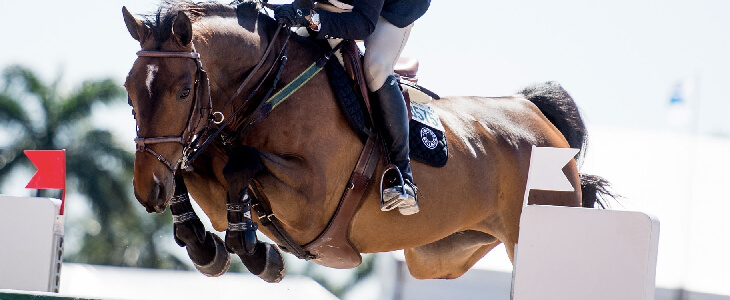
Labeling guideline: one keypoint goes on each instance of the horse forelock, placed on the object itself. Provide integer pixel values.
(161, 21)
(206, 20)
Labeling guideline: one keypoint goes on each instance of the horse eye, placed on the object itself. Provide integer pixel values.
(185, 93)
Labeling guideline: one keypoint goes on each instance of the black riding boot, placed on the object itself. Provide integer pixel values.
(391, 113)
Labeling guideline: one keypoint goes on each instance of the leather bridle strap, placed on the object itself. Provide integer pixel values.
(259, 203)
(193, 55)
(255, 69)
(268, 105)
(333, 240)
(143, 142)
(223, 123)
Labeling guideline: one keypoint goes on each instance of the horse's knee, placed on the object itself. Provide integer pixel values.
(242, 165)
(242, 159)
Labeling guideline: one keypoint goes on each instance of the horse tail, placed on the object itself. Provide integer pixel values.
(596, 190)
(557, 105)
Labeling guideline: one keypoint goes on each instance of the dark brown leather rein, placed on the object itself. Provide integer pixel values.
(190, 137)
(333, 241)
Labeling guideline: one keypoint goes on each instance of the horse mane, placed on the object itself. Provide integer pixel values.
(162, 20)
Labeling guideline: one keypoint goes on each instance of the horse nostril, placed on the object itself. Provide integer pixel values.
(157, 197)
(155, 193)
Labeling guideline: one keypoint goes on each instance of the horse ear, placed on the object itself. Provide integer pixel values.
(182, 28)
(136, 28)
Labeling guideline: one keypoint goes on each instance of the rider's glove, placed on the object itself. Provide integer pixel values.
(293, 16)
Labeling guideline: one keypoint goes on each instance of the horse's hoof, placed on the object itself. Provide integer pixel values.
(220, 263)
(266, 263)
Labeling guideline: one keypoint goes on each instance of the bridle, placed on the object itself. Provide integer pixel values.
(202, 105)
(190, 138)
(328, 242)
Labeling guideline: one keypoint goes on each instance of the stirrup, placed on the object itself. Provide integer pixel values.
(403, 195)
(391, 196)
(409, 205)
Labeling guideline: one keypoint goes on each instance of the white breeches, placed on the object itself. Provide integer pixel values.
(382, 49)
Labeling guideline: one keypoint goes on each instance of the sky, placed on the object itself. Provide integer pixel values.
(621, 61)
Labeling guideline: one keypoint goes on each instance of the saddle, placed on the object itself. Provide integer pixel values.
(427, 140)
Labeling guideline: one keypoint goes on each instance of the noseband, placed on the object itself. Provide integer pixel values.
(200, 110)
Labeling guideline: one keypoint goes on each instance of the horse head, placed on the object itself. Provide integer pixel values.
(161, 90)
(168, 88)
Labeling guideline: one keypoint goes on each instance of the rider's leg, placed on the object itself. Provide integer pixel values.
(382, 49)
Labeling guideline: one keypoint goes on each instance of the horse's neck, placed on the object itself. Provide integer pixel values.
(230, 51)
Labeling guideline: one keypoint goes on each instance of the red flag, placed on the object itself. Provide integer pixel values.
(51, 172)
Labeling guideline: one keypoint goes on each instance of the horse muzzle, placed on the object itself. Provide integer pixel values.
(157, 196)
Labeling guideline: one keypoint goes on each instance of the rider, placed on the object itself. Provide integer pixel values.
(384, 25)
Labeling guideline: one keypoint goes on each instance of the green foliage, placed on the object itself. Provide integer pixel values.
(38, 117)
(118, 232)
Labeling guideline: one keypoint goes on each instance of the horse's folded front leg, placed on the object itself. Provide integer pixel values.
(260, 258)
(241, 232)
(206, 250)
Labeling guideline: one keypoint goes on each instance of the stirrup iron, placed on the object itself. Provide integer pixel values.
(394, 199)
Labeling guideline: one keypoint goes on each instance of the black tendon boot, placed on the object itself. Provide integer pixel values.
(262, 259)
(206, 250)
(391, 113)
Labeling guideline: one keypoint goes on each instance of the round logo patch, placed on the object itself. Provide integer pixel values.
(429, 139)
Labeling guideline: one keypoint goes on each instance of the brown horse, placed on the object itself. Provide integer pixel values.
(308, 151)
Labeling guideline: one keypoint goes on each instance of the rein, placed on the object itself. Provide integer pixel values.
(263, 110)
(194, 153)
(189, 139)
(190, 136)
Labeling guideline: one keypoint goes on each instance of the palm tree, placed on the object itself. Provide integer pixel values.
(38, 117)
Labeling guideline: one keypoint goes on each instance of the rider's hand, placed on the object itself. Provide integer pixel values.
(292, 16)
